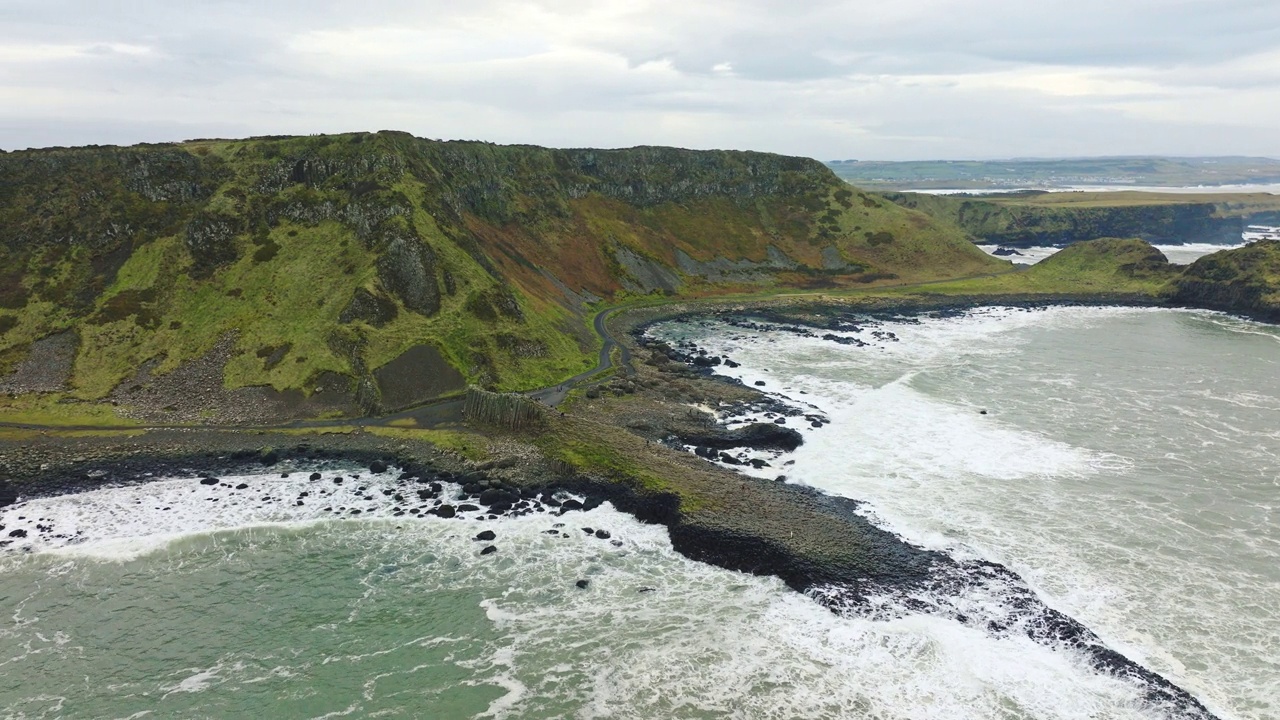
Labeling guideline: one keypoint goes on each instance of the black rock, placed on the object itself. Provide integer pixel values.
(377, 467)
(242, 486)
(445, 511)
(759, 383)
(592, 503)
(582, 584)
(486, 535)
(19, 533)
(571, 504)
(314, 476)
(468, 507)
(588, 530)
(603, 534)
(8, 495)
(209, 481)
(489, 550)
(494, 496)
(758, 464)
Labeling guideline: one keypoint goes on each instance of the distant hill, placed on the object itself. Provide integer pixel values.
(342, 274)
(1029, 219)
(1058, 173)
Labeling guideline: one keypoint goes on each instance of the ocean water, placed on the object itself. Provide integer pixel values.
(1177, 254)
(1126, 467)
(1125, 462)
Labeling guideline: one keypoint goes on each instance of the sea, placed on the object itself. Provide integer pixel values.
(1124, 462)
(1184, 254)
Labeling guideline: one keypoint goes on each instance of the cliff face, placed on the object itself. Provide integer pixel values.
(309, 264)
(1027, 225)
(1243, 281)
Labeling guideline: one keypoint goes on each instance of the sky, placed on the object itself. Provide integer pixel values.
(831, 79)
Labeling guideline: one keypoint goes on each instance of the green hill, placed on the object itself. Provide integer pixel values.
(344, 274)
(1244, 280)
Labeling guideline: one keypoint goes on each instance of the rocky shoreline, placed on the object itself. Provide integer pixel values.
(944, 579)
(816, 543)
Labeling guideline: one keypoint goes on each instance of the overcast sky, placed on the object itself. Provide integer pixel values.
(832, 79)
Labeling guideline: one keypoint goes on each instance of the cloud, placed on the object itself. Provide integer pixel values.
(827, 78)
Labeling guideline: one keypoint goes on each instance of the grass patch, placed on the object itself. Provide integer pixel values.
(472, 446)
(58, 409)
(1098, 266)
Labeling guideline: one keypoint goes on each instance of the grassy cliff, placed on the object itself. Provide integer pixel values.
(1244, 280)
(387, 268)
(1102, 268)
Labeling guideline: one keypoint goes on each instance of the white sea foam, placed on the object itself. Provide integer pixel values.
(655, 635)
(1190, 252)
(1025, 256)
(1179, 254)
(1094, 488)
(124, 523)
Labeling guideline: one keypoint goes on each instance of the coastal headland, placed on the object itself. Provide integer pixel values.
(201, 308)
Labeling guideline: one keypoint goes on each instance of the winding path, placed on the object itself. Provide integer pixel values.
(447, 411)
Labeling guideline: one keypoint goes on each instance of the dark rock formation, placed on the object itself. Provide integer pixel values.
(407, 269)
(375, 310)
(760, 436)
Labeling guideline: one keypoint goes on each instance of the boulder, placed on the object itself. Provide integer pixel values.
(489, 550)
(8, 495)
(497, 496)
(486, 535)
